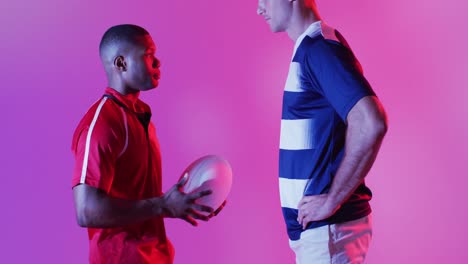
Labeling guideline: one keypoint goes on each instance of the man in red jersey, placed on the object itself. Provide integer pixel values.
(117, 176)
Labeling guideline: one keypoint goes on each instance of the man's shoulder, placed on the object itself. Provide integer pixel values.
(102, 117)
(104, 110)
(319, 50)
(316, 45)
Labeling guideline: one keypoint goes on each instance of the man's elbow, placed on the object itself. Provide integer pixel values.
(81, 218)
(379, 126)
(86, 215)
(85, 205)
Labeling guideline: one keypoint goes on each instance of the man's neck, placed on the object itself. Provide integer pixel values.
(301, 19)
(122, 88)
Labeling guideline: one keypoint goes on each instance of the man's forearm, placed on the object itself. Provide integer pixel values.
(352, 171)
(98, 210)
(364, 137)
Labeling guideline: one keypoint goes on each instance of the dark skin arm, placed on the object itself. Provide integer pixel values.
(94, 208)
(367, 126)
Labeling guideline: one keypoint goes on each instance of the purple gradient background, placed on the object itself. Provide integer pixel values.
(223, 73)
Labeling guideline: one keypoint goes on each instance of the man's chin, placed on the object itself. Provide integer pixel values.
(275, 29)
(152, 86)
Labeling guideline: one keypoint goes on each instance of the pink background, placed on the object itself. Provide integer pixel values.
(223, 73)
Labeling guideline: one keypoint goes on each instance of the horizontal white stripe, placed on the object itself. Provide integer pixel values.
(293, 83)
(88, 141)
(297, 134)
(291, 192)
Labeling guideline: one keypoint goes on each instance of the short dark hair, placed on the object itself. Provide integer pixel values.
(121, 34)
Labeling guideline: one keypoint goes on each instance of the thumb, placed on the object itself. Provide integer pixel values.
(182, 181)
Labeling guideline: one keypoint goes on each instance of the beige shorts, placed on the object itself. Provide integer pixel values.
(341, 243)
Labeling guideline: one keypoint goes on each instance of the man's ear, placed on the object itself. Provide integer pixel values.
(120, 64)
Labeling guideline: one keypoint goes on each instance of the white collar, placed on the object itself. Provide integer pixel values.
(313, 29)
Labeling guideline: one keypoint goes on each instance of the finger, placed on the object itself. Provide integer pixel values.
(300, 215)
(198, 195)
(220, 208)
(305, 222)
(301, 206)
(304, 200)
(199, 216)
(202, 208)
(215, 213)
(190, 220)
(301, 202)
(182, 181)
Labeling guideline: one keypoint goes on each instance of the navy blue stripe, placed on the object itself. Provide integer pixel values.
(296, 164)
(302, 105)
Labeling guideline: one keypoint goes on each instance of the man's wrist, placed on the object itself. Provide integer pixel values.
(157, 206)
(332, 203)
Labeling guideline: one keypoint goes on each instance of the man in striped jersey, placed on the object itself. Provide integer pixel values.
(331, 130)
(117, 177)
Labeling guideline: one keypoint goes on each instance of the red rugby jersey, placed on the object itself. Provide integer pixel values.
(117, 154)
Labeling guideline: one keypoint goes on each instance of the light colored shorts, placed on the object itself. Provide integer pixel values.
(341, 243)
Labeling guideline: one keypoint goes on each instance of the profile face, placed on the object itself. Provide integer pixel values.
(277, 13)
(142, 66)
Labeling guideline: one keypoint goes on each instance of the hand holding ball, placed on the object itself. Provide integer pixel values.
(209, 173)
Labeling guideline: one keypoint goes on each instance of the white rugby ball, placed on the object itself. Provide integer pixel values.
(209, 173)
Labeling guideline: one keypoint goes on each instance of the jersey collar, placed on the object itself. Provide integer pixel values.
(130, 100)
(313, 29)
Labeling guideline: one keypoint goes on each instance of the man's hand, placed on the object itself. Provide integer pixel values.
(315, 208)
(177, 204)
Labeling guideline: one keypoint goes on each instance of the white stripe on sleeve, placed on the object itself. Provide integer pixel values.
(88, 140)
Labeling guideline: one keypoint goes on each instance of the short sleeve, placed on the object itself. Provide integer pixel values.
(96, 148)
(337, 75)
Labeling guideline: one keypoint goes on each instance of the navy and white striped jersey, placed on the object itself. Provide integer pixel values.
(325, 81)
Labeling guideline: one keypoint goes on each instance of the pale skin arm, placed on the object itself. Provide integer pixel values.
(367, 126)
(94, 208)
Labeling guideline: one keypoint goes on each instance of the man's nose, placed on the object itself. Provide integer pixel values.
(156, 63)
(260, 8)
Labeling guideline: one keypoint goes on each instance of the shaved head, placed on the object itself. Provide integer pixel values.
(128, 55)
(118, 39)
